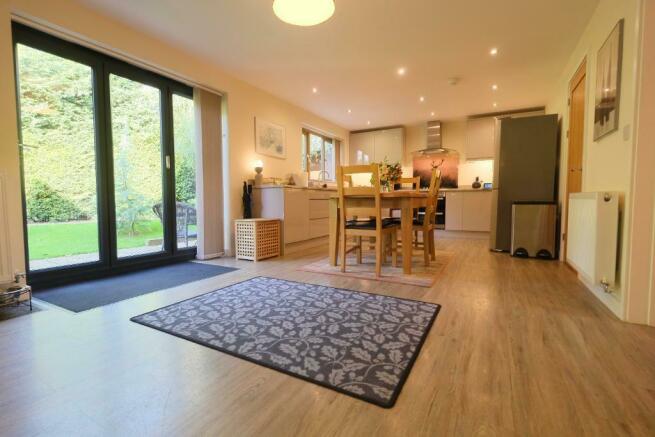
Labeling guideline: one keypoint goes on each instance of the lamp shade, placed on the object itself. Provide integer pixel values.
(303, 12)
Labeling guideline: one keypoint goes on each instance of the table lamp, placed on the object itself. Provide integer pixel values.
(259, 167)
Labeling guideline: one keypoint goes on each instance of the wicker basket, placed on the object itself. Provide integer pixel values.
(257, 238)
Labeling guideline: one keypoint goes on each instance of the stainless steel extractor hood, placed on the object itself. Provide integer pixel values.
(433, 143)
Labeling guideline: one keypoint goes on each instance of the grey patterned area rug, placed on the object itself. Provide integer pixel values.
(360, 344)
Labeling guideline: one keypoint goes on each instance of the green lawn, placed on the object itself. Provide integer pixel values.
(50, 240)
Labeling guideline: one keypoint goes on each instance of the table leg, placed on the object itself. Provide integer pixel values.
(406, 220)
(334, 231)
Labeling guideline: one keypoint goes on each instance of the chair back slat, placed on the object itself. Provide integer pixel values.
(435, 182)
(433, 196)
(358, 191)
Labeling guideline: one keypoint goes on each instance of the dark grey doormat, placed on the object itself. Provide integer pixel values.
(359, 344)
(100, 292)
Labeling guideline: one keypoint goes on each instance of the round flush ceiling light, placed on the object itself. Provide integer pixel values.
(303, 12)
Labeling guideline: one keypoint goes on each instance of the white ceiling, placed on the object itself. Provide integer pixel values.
(353, 57)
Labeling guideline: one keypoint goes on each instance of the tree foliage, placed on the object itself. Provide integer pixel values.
(59, 132)
(46, 205)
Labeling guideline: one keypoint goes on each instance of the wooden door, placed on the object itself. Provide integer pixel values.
(576, 137)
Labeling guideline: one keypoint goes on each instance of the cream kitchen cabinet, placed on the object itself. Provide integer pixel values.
(377, 145)
(480, 138)
(454, 208)
(304, 211)
(468, 210)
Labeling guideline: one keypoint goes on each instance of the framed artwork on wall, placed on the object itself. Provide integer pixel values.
(270, 139)
(448, 163)
(608, 83)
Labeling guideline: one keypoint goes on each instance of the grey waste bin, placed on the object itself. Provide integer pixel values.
(534, 230)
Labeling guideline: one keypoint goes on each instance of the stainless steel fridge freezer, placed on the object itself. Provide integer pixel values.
(525, 170)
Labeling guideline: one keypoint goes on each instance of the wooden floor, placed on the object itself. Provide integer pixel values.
(519, 348)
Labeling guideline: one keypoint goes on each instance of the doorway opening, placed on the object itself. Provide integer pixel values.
(577, 92)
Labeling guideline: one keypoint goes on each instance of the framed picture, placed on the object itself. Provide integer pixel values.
(270, 139)
(608, 83)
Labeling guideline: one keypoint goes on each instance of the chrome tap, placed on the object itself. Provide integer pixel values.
(325, 173)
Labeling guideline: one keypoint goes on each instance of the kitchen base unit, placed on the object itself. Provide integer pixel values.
(468, 210)
(304, 212)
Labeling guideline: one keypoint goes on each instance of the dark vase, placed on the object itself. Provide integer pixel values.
(476, 184)
(247, 201)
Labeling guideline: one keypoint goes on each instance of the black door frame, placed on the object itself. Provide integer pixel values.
(102, 66)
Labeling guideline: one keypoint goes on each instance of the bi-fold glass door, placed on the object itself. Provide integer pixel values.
(108, 161)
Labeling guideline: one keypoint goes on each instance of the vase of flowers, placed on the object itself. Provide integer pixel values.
(389, 174)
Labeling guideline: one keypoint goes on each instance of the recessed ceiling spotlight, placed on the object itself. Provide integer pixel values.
(368, 122)
(305, 12)
(494, 87)
(431, 114)
(421, 99)
(315, 90)
(401, 71)
(493, 51)
(495, 105)
(350, 111)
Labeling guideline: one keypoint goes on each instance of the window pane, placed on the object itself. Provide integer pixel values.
(185, 172)
(303, 153)
(330, 161)
(59, 159)
(315, 156)
(136, 134)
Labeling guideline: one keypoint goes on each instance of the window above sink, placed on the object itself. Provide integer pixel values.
(320, 156)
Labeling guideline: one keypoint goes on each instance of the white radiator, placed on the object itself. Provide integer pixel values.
(6, 271)
(592, 236)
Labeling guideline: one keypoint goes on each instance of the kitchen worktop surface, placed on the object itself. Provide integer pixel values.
(295, 187)
(463, 188)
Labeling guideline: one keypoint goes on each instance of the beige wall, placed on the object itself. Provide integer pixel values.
(242, 101)
(607, 163)
(453, 137)
(640, 305)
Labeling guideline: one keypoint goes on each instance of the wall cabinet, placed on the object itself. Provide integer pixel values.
(480, 138)
(375, 146)
(468, 211)
(304, 212)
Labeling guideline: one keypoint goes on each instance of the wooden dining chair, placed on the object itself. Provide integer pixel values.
(426, 223)
(375, 226)
(401, 184)
(414, 182)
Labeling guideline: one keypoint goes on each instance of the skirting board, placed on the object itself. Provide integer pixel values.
(611, 300)
(210, 256)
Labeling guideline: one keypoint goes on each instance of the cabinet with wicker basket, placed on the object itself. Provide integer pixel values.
(257, 239)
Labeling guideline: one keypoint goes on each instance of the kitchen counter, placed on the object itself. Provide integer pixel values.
(264, 187)
(464, 188)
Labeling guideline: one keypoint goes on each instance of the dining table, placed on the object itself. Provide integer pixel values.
(404, 200)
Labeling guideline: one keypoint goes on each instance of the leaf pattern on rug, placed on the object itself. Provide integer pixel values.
(357, 342)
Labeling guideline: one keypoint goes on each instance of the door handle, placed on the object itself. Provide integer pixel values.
(168, 162)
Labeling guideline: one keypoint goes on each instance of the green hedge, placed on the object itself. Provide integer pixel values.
(44, 204)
